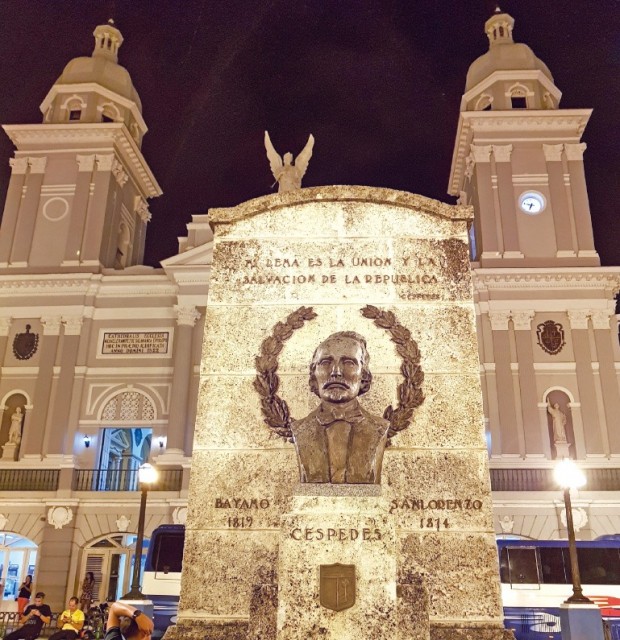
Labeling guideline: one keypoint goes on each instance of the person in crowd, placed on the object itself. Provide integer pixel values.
(70, 622)
(23, 597)
(125, 621)
(32, 620)
(88, 586)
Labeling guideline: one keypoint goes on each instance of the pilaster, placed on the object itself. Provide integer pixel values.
(5, 328)
(95, 217)
(480, 158)
(32, 440)
(579, 320)
(563, 221)
(579, 195)
(28, 210)
(505, 201)
(183, 365)
(79, 210)
(534, 442)
(57, 440)
(504, 383)
(12, 205)
(608, 377)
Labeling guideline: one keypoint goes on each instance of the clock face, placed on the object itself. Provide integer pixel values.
(532, 202)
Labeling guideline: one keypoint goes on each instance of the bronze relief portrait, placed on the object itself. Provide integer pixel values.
(340, 442)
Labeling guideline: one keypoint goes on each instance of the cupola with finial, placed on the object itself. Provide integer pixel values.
(97, 88)
(508, 75)
(108, 40)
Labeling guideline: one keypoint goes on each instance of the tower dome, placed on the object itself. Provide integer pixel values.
(102, 67)
(96, 88)
(510, 62)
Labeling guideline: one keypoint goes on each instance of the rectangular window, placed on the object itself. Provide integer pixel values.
(553, 563)
(599, 566)
(75, 114)
(523, 567)
(518, 102)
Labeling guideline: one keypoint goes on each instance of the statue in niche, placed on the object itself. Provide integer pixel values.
(287, 175)
(559, 422)
(340, 442)
(15, 430)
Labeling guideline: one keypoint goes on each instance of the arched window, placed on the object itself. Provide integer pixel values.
(18, 559)
(109, 112)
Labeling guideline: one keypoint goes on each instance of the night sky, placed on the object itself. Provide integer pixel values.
(378, 83)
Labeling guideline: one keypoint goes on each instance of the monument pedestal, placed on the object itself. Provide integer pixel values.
(581, 622)
(337, 565)
(9, 451)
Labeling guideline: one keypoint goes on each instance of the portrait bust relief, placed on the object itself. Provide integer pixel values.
(340, 442)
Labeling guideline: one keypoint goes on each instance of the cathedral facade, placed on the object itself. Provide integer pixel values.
(100, 354)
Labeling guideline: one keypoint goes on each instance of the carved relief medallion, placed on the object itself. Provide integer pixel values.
(550, 337)
(337, 586)
(25, 344)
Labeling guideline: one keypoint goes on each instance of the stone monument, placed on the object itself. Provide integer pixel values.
(333, 495)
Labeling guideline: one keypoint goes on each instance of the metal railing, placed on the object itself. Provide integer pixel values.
(123, 480)
(543, 480)
(29, 479)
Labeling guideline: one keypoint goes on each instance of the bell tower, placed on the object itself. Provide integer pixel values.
(77, 196)
(518, 159)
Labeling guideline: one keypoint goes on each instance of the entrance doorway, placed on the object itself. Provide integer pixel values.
(111, 561)
(18, 558)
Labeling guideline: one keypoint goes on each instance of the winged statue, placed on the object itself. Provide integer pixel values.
(288, 175)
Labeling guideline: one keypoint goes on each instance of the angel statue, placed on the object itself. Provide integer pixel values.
(287, 175)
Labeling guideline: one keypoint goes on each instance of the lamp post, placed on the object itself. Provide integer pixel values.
(147, 476)
(569, 476)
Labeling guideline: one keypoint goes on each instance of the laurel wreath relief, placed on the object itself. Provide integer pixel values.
(274, 408)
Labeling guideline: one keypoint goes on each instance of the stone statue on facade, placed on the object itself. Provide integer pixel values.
(288, 175)
(340, 442)
(15, 430)
(559, 423)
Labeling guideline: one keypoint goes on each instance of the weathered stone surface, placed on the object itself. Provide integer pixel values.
(259, 488)
(338, 249)
(263, 612)
(222, 582)
(348, 530)
(413, 614)
(203, 630)
(460, 572)
(450, 347)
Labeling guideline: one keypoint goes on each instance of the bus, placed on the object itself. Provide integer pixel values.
(535, 576)
(162, 574)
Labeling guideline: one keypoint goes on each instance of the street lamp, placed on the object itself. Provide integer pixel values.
(569, 476)
(147, 476)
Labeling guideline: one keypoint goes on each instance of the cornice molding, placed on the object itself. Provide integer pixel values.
(561, 278)
(114, 134)
(572, 122)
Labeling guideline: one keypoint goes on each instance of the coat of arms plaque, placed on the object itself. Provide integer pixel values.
(550, 336)
(25, 344)
(337, 586)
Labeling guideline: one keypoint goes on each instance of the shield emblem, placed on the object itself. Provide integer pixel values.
(337, 586)
(550, 337)
(25, 344)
